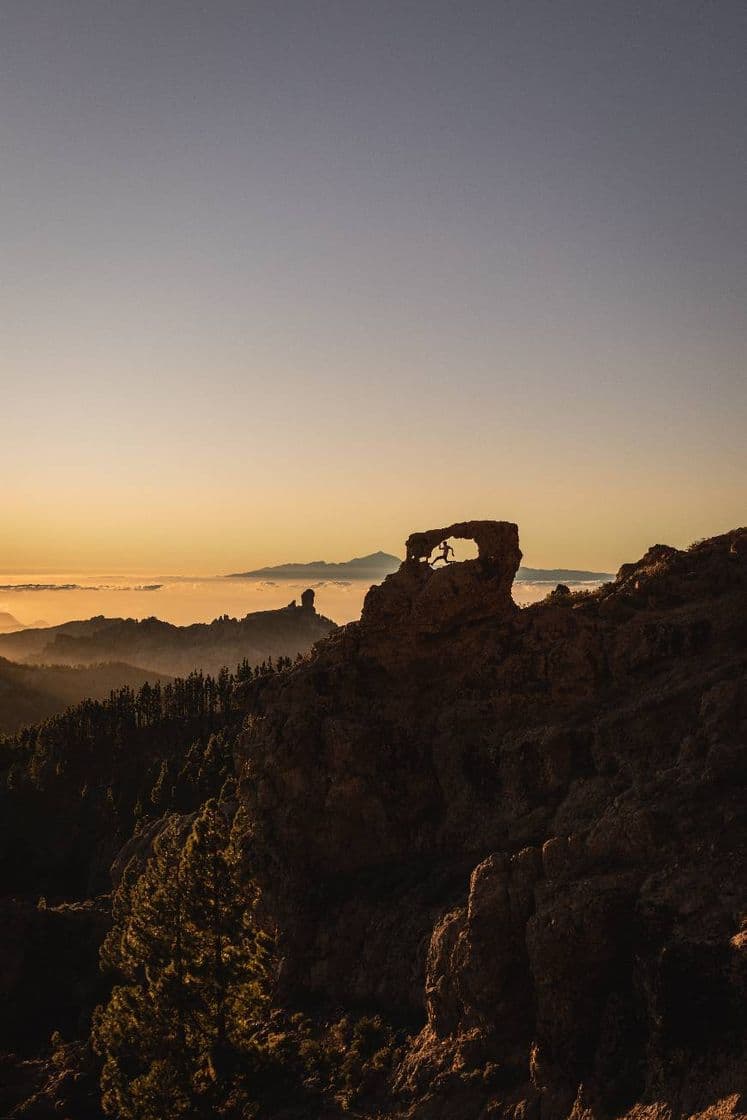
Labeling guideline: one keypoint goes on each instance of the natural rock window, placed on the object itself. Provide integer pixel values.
(433, 592)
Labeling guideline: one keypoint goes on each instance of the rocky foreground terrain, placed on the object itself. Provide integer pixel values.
(522, 834)
(514, 840)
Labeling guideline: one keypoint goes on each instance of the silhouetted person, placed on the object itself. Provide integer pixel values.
(443, 554)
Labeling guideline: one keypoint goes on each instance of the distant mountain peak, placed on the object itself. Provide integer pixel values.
(9, 622)
(375, 565)
(376, 558)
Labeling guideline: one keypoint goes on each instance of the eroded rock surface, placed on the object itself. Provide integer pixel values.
(522, 834)
(431, 600)
(497, 541)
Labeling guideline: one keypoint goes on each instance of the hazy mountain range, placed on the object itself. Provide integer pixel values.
(380, 564)
(375, 566)
(561, 575)
(30, 693)
(9, 622)
(160, 647)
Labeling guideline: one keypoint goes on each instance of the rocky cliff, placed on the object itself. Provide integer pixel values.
(521, 833)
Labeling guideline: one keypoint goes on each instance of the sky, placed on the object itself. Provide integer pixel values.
(287, 280)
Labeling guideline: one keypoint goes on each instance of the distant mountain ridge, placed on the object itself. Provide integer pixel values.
(31, 693)
(561, 575)
(9, 622)
(161, 647)
(379, 564)
(376, 564)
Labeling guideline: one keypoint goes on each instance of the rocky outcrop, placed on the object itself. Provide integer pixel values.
(497, 542)
(307, 599)
(63, 1083)
(419, 600)
(522, 833)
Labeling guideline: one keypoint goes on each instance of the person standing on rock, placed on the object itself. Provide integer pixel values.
(443, 554)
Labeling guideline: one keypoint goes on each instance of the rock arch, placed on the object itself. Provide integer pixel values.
(497, 542)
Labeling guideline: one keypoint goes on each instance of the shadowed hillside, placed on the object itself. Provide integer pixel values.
(462, 861)
(30, 693)
(520, 835)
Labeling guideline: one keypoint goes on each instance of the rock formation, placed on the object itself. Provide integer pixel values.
(522, 834)
(497, 541)
(307, 599)
(439, 600)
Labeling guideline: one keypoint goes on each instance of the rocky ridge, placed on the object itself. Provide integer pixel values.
(521, 833)
(161, 648)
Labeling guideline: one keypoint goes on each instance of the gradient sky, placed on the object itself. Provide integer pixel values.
(286, 280)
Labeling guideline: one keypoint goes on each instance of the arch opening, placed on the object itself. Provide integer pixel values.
(453, 550)
(497, 542)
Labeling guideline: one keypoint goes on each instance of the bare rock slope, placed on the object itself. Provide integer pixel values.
(522, 833)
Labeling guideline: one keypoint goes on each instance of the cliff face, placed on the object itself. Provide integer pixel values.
(522, 832)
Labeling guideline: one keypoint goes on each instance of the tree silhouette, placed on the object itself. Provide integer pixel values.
(196, 972)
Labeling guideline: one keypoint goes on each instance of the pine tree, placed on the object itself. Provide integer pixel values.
(227, 954)
(162, 793)
(196, 970)
(142, 1031)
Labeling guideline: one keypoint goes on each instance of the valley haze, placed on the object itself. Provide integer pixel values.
(66, 595)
